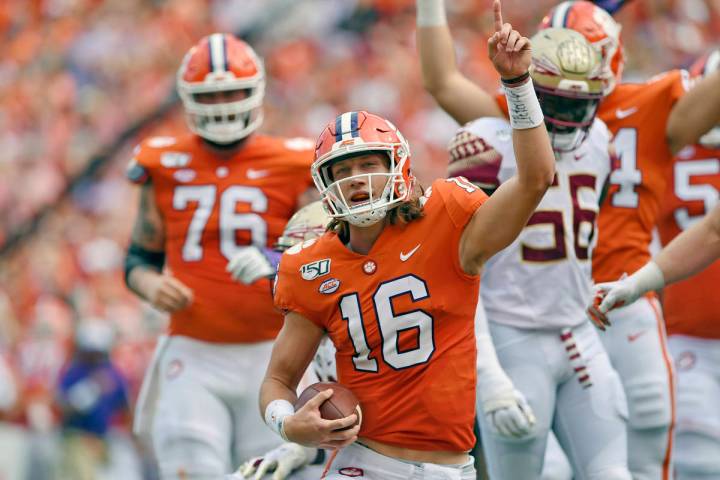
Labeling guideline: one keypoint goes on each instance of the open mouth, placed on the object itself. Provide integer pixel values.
(359, 197)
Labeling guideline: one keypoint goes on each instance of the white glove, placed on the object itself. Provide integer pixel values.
(249, 265)
(283, 460)
(611, 295)
(510, 416)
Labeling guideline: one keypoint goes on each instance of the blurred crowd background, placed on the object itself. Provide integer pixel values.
(81, 81)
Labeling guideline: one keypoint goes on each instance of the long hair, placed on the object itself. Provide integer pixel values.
(403, 213)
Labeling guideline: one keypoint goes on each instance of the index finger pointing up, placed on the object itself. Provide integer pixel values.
(498, 15)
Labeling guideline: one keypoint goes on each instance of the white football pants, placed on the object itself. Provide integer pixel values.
(579, 398)
(205, 419)
(358, 461)
(637, 348)
(697, 432)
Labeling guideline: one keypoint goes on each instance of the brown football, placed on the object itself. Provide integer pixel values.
(342, 403)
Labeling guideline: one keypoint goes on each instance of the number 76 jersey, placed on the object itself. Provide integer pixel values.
(213, 206)
(543, 280)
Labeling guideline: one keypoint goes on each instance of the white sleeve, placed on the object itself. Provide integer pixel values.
(494, 386)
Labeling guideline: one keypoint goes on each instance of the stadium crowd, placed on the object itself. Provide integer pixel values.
(74, 74)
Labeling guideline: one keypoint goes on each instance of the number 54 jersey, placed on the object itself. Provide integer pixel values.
(401, 319)
(543, 279)
(213, 206)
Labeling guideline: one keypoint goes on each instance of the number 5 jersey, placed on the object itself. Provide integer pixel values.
(401, 318)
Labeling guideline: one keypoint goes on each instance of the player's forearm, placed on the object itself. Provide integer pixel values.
(275, 389)
(695, 113)
(435, 45)
(693, 250)
(140, 280)
(461, 98)
(535, 160)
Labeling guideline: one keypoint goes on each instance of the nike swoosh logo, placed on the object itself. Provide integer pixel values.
(620, 113)
(405, 256)
(253, 174)
(634, 336)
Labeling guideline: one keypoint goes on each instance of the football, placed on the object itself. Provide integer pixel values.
(342, 403)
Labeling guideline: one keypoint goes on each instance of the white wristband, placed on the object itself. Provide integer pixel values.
(648, 278)
(523, 106)
(431, 13)
(275, 414)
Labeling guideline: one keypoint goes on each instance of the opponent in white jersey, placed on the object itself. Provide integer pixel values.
(543, 279)
(535, 291)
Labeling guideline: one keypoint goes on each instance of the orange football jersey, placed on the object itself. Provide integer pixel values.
(692, 306)
(636, 114)
(401, 319)
(212, 207)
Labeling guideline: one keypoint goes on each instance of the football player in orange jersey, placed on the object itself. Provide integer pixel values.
(206, 197)
(691, 306)
(509, 417)
(638, 115)
(384, 284)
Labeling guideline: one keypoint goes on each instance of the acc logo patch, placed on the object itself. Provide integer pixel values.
(174, 159)
(311, 271)
(351, 472)
(329, 286)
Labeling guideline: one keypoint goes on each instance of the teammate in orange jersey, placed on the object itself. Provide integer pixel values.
(648, 131)
(691, 306)
(206, 197)
(640, 116)
(384, 284)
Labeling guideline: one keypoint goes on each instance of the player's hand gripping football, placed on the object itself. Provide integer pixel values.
(510, 415)
(307, 427)
(610, 295)
(167, 293)
(249, 265)
(508, 50)
(283, 460)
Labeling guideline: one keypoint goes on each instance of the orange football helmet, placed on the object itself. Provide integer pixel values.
(703, 66)
(352, 134)
(220, 66)
(600, 29)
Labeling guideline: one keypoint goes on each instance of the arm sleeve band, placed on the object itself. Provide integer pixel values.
(139, 257)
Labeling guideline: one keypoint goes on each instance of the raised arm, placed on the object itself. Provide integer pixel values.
(503, 216)
(456, 94)
(688, 253)
(292, 352)
(695, 113)
(146, 256)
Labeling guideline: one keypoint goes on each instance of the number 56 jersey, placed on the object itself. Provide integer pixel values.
(543, 280)
(401, 319)
(213, 206)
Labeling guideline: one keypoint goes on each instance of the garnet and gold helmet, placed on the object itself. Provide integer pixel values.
(566, 74)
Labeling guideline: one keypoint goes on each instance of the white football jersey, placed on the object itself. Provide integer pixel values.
(543, 279)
